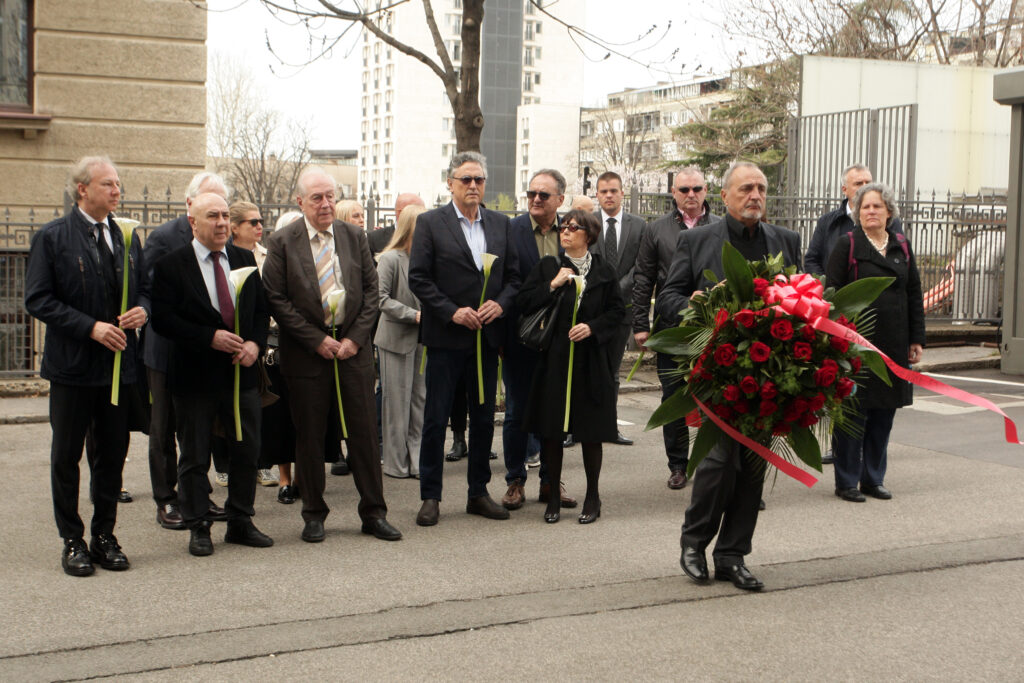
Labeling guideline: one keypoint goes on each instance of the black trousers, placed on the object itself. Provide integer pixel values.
(195, 415)
(617, 350)
(727, 488)
(74, 410)
(676, 434)
(163, 454)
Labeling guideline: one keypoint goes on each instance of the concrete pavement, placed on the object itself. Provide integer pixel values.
(925, 586)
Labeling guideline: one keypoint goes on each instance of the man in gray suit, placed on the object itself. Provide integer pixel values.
(163, 456)
(618, 244)
(728, 482)
(689, 190)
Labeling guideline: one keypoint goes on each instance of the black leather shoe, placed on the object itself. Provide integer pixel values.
(382, 529)
(740, 577)
(677, 479)
(694, 564)
(287, 495)
(429, 512)
(589, 517)
(215, 513)
(569, 441)
(124, 496)
(340, 468)
(486, 507)
(75, 558)
(168, 516)
(246, 533)
(106, 552)
(313, 532)
(459, 448)
(552, 517)
(829, 458)
(199, 543)
(877, 491)
(621, 440)
(852, 495)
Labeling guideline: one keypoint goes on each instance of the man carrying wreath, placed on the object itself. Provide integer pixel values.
(194, 306)
(727, 484)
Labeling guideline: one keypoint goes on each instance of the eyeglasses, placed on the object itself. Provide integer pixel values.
(571, 227)
(467, 180)
(686, 190)
(544, 196)
(253, 221)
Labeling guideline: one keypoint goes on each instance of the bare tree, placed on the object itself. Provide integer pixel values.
(258, 150)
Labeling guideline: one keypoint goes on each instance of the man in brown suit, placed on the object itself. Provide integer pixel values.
(305, 261)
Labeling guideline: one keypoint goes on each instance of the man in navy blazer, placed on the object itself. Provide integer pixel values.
(446, 274)
(534, 235)
(195, 307)
(728, 482)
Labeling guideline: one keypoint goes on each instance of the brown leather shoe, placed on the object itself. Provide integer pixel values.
(515, 496)
(677, 480)
(567, 501)
(429, 512)
(168, 516)
(486, 507)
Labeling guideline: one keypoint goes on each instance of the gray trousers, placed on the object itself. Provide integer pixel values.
(404, 394)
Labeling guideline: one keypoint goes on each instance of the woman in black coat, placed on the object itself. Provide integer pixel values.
(877, 251)
(601, 309)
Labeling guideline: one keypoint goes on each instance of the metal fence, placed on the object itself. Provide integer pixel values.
(958, 242)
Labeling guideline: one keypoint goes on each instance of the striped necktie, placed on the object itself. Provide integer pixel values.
(325, 271)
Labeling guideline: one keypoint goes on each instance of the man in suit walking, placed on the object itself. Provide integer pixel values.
(727, 484)
(621, 234)
(195, 307)
(73, 285)
(534, 236)
(306, 261)
(689, 190)
(156, 351)
(446, 274)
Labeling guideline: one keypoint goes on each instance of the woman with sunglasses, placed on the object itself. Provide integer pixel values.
(592, 418)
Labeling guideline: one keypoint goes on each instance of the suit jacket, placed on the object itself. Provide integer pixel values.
(379, 238)
(443, 275)
(630, 234)
(525, 245)
(172, 235)
(657, 248)
(184, 314)
(397, 329)
(700, 249)
(289, 275)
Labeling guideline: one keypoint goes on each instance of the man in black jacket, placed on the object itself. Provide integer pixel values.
(195, 306)
(73, 284)
(657, 248)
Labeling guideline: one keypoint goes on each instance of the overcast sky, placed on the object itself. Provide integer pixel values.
(327, 91)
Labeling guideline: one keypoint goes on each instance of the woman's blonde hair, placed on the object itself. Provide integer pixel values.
(402, 239)
(343, 209)
(237, 211)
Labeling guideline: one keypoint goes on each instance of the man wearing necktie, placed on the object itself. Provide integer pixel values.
(73, 285)
(306, 261)
(194, 307)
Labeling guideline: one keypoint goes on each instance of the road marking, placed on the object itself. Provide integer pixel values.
(956, 409)
(974, 379)
(624, 423)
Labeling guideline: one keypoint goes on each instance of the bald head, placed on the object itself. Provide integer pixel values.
(406, 199)
(210, 220)
(583, 203)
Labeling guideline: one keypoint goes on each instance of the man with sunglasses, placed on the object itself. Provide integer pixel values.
(446, 273)
(657, 248)
(534, 236)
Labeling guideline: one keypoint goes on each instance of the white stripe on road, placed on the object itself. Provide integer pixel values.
(974, 379)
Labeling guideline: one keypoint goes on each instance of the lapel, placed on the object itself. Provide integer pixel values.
(773, 239)
(719, 237)
(194, 276)
(451, 221)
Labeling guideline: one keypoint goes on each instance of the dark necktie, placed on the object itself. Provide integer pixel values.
(112, 288)
(611, 244)
(227, 309)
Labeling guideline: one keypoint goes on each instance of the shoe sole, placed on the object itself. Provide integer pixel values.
(383, 538)
(510, 505)
(488, 516)
(85, 571)
(285, 501)
(108, 566)
(755, 587)
(173, 527)
(312, 539)
(200, 552)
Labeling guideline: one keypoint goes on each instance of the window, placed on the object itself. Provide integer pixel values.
(526, 129)
(528, 56)
(536, 78)
(528, 82)
(526, 154)
(529, 8)
(528, 35)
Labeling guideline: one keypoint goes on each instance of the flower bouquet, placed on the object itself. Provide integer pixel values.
(758, 369)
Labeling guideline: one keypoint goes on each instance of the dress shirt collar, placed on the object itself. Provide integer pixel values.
(313, 232)
(536, 225)
(605, 217)
(462, 218)
(739, 230)
(849, 210)
(203, 254)
(691, 222)
(92, 221)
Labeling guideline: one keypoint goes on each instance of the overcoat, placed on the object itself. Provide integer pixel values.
(592, 415)
(898, 311)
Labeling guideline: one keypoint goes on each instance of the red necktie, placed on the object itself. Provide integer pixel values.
(227, 309)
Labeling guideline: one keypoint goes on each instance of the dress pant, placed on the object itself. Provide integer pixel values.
(519, 365)
(617, 349)
(726, 493)
(195, 415)
(404, 395)
(74, 410)
(314, 405)
(863, 460)
(459, 406)
(445, 368)
(163, 454)
(676, 434)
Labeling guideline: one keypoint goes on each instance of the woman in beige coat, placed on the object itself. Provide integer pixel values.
(397, 339)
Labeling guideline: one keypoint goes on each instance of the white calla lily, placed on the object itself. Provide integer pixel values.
(336, 301)
(127, 226)
(238, 277)
(489, 260)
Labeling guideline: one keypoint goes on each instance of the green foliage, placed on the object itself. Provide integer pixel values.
(859, 294)
(503, 202)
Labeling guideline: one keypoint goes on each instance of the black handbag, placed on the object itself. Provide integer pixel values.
(537, 328)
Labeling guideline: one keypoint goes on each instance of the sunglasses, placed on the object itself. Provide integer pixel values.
(686, 190)
(253, 221)
(467, 180)
(571, 227)
(544, 196)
